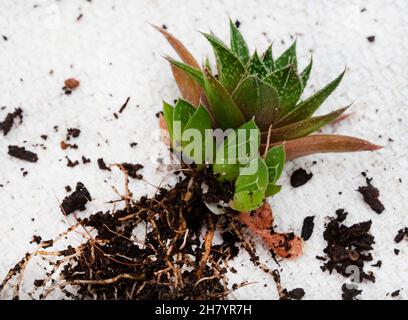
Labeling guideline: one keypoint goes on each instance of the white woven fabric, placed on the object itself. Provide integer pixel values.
(114, 52)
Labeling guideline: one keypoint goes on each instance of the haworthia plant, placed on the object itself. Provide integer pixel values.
(258, 91)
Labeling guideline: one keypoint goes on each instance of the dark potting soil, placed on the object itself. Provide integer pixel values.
(371, 196)
(348, 248)
(350, 293)
(307, 229)
(71, 163)
(22, 154)
(73, 133)
(76, 200)
(395, 293)
(402, 233)
(8, 121)
(132, 170)
(102, 165)
(170, 262)
(300, 177)
(295, 294)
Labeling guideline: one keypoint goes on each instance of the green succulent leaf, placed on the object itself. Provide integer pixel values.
(200, 121)
(288, 86)
(256, 98)
(238, 44)
(304, 76)
(168, 111)
(307, 107)
(275, 161)
(304, 127)
(238, 152)
(250, 186)
(226, 112)
(267, 59)
(287, 58)
(272, 190)
(194, 73)
(230, 67)
(183, 111)
(256, 67)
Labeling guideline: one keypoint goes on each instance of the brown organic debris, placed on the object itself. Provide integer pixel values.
(371, 196)
(285, 245)
(348, 248)
(71, 84)
(22, 154)
(76, 200)
(8, 121)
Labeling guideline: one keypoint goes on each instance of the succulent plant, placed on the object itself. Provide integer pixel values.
(262, 87)
(255, 93)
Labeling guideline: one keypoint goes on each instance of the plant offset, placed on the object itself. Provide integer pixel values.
(250, 93)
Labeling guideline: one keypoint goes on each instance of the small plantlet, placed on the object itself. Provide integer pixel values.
(252, 92)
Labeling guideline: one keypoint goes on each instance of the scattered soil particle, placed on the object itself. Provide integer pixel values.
(132, 170)
(71, 84)
(76, 200)
(85, 160)
(396, 252)
(300, 177)
(44, 137)
(36, 239)
(79, 17)
(371, 38)
(38, 282)
(348, 248)
(4, 38)
(295, 294)
(8, 121)
(71, 163)
(22, 154)
(402, 233)
(65, 145)
(349, 293)
(102, 165)
(68, 188)
(237, 23)
(371, 196)
(123, 107)
(341, 215)
(395, 293)
(133, 144)
(307, 229)
(73, 132)
(378, 264)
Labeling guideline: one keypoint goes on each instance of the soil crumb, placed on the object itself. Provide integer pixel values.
(349, 293)
(22, 154)
(300, 177)
(308, 226)
(71, 84)
(348, 249)
(8, 121)
(76, 200)
(295, 294)
(102, 165)
(132, 170)
(402, 233)
(371, 196)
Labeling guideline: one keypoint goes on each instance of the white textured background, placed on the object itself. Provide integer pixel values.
(115, 54)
